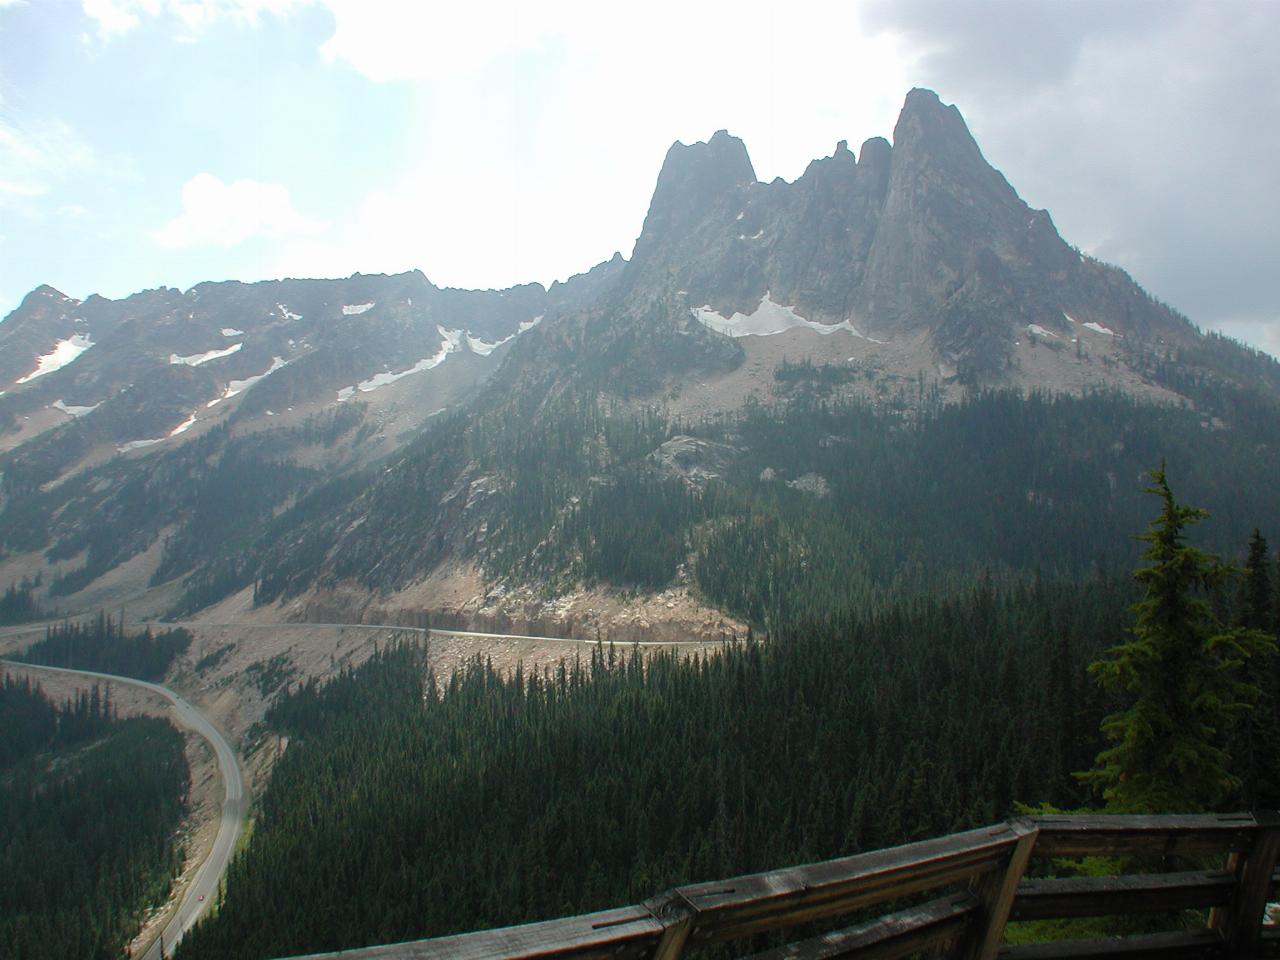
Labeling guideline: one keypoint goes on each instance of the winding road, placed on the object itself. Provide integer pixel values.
(433, 632)
(204, 887)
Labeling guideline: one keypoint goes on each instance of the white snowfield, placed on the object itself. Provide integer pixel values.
(236, 387)
(63, 353)
(139, 444)
(1040, 331)
(285, 312)
(73, 410)
(484, 349)
(767, 319)
(232, 332)
(355, 309)
(1099, 328)
(195, 359)
(184, 426)
(451, 339)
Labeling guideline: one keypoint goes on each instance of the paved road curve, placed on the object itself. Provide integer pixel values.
(432, 632)
(204, 888)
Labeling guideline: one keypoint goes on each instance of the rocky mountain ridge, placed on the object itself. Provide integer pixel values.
(910, 265)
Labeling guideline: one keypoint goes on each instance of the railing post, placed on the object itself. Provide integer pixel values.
(676, 915)
(1241, 922)
(995, 892)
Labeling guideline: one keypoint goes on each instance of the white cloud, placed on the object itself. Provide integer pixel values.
(34, 157)
(117, 17)
(226, 214)
(113, 17)
(392, 40)
(539, 159)
(20, 188)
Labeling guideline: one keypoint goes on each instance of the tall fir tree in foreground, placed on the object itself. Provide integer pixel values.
(1181, 675)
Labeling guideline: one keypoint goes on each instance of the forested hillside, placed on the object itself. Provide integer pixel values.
(776, 512)
(401, 811)
(90, 805)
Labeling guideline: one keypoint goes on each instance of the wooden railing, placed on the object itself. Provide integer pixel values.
(968, 886)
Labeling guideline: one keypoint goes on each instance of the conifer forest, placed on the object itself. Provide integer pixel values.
(90, 805)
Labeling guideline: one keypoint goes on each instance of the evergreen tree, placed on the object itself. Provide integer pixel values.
(1256, 607)
(1180, 675)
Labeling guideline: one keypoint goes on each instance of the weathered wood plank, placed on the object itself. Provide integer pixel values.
(797, 910)
(629, 932)
(750, 904)
(996, 891)
(1125, 835)
(984, 859)
(1244, 916)
(889, 937)
(1201, 944)
(1041, 899)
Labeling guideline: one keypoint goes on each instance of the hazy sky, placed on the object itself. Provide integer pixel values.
(165, 142)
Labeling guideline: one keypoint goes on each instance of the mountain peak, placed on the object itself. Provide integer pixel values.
(693, 178)
(925, 121)
(44, 293)
(706, 168)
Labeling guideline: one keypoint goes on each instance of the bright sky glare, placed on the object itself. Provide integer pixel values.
(165, 142)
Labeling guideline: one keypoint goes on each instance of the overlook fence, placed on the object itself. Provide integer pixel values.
(977, 881)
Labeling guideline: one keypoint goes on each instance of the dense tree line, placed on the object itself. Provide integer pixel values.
(31, 724)
(103, 645)
(400, 813)
(90, 806)
(18, 604)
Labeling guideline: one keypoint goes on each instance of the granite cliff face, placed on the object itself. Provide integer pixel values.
(921, 236)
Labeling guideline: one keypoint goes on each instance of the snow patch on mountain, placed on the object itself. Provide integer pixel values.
(484, 349)
(236, 387)
(284, 312)
(63, 353)
(139, 444)
(73, 410)
(232, 332)
(355, 309)
(1099, 328)
(767, 319)
(195, 359)
(1040, 331)
(184, 426)
(450, 341)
